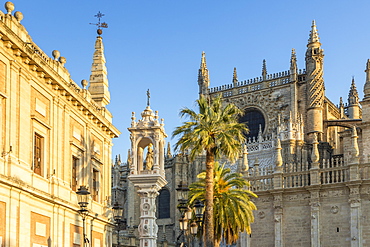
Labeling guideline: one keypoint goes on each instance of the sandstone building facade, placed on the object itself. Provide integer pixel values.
(54, 138)
(306, 158)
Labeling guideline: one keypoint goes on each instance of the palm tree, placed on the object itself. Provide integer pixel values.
(215, 130)
(233, 209)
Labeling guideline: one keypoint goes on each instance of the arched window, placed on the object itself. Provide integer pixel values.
(253, 118)
(164, 204)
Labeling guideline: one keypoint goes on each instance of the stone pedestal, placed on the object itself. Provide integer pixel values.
(148, 187)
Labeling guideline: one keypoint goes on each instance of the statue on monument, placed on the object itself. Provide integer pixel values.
(149, 158)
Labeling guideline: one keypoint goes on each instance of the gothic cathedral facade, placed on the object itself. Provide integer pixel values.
(306, 158)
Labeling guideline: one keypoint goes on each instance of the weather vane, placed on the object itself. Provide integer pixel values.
(100, 25)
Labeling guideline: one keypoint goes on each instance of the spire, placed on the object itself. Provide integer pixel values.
(341, 108)
(353, 94)
(203, 76)
(264, 70)
(168, 155)
(235, 78)
(98, 79)
(315, 83)
(293, 66)
(367, 83)
(353, 110)
(314, 36)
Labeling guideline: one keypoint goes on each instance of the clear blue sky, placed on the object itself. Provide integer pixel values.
(157, 44)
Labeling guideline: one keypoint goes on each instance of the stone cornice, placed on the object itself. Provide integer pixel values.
(50, 71)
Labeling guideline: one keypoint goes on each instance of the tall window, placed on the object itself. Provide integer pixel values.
(253, 118)
(164, 204)
(37, 154)
(75, 162)
(95, 188)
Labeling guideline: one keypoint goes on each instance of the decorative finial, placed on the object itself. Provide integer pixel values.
(293, 52)
(367, 83)
(100, 25)
(169, 155)
(9, 6)
(235, 77)
(315, 156)
(84, 83)
(355, 150)
(293, 58)
(56, 54)
(353, 98)
(264, 69)
(129, 157)
(148, 95)
(314, 36)
(62, 60)
(341, 104)
(203, 60)
(18, 15)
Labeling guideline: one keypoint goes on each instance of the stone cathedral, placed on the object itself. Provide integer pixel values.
(306, 158)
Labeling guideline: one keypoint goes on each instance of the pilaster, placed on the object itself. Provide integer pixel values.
(278, 219)
(315, 218)
(354, 159)
(355, 212)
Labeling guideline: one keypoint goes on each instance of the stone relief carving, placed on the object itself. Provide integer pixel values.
(261, 214)
(297, 197)
(278, 201)
(354, 191)
(332, 193)
(334, 209)
(278, 219)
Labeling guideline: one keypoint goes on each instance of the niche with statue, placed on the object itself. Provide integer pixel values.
(147, 144)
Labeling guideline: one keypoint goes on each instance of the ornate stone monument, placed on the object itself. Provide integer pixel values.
(147, 169)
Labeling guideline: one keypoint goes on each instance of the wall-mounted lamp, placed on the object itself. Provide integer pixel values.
(4, 153)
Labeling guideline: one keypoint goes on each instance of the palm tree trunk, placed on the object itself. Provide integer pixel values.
(208, 220)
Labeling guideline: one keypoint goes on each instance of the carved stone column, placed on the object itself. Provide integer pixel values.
(148, 228)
